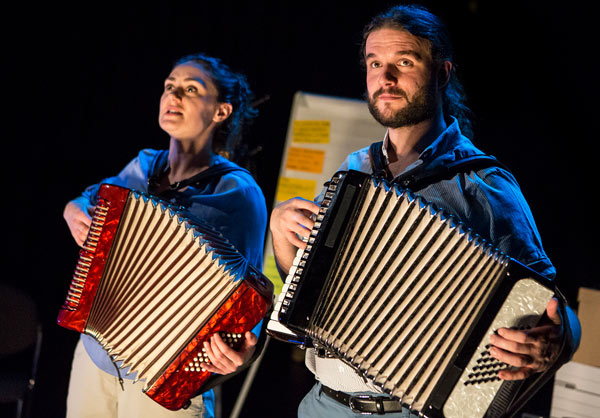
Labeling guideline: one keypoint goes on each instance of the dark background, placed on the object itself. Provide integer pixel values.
(82, 85)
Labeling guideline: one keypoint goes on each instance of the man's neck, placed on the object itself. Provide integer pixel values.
(408, 142)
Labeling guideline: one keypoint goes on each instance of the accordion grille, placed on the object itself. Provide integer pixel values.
(161, 282)
(406, 287)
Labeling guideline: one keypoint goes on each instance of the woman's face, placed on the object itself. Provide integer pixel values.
(189, 109)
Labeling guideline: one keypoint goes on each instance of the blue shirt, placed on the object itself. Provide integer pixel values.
(234, 205)
(489, 201)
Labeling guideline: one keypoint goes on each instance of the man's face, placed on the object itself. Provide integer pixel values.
(401, 88)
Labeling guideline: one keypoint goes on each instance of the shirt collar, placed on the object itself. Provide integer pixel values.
(437, 148)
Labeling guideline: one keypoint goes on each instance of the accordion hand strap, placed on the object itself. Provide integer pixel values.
(567, 349)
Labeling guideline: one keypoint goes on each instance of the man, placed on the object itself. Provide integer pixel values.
(412, 89)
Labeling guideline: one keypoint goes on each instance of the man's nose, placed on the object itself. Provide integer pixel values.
(389, 76)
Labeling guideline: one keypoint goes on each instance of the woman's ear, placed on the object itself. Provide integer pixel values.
(223, 112)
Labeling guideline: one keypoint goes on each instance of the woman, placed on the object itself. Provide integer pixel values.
(203, 108)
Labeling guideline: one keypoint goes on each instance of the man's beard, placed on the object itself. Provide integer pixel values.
(420, 108)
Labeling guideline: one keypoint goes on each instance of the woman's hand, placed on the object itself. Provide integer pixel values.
(223, 358)
(78, 214)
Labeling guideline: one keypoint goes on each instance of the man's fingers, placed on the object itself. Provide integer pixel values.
(294, 240)
(301, 224)
(552, 311)
(307, 205)
(516, 359)
(518, 374)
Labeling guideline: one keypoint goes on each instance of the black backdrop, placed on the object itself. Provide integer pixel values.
(82, 85)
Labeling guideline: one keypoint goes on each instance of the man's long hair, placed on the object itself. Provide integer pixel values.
(420, 22)
(234, 89)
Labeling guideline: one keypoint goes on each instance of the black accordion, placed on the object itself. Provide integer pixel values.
(408, 297)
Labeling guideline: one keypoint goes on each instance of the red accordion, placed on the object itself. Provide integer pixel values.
(151, 286)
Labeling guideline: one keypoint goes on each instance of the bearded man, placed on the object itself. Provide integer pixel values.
(412, 89)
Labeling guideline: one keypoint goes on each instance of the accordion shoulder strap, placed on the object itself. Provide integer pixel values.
(420, 177)
(214, 172)
(378, 163)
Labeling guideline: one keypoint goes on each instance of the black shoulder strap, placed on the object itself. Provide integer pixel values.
(214, 172)
(211, 173)
(157, 169)
(420, 177)
(378, 165)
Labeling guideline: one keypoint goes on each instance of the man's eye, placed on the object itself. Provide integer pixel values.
(375, 64)
(405, 63)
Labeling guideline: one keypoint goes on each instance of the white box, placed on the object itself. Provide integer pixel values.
(576, 392)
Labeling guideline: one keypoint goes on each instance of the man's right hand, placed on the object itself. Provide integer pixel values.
(291, 223)
(78, 214)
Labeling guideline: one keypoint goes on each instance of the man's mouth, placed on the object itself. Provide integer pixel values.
(389, 97)
(391, 94)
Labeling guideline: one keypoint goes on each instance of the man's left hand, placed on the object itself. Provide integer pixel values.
(530, 351)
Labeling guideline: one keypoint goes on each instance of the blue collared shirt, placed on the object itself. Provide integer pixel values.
(489, 201)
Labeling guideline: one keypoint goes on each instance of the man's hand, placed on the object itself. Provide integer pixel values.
(290, 223)
(531, 351)
(223, 358)
(78, 214)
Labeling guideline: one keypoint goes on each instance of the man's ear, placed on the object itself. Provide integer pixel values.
(444, 74)
(223, 112)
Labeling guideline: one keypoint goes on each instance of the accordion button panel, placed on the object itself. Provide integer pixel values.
(479, 384)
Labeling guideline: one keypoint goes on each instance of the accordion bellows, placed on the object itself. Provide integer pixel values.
(151, 287)
(407, 296)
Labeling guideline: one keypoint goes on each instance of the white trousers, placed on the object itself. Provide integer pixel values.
(94, 393)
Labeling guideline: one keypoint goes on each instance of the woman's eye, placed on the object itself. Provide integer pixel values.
(191, 89)
(375, 64)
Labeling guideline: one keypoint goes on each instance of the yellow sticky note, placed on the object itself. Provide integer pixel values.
(270, 270)
(288, 188)
(312, 131)
(305, 159)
